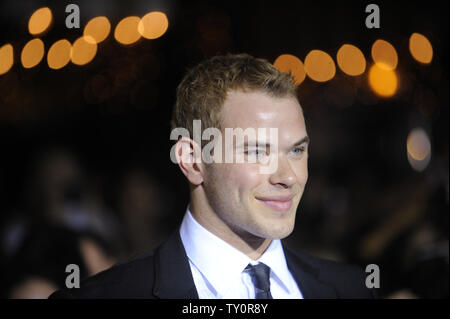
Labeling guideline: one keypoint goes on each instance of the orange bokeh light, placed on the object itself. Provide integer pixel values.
(40, 21)
(59, 54)
(6, 58)
(351, 60)
(319, 66)
(420, 48)
(98, 28)
(126, 31)
(32, 53)
(383, 81)
(153, 25)
(84, 50)
(289, 63)
(384, 55)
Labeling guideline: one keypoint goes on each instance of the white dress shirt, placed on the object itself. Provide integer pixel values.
(218, 269)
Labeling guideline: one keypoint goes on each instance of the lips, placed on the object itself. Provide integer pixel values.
(279, 203)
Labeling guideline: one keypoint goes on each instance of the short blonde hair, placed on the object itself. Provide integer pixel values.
(202, 92)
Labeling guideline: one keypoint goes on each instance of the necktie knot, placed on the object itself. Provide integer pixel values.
(260, 275)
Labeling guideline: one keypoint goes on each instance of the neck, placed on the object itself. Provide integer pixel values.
(249, 244)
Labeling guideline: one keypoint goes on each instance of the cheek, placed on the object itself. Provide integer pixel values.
(247, 171)
(301, 171)
(243, 178)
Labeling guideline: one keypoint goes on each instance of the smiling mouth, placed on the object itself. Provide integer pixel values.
(278, 203)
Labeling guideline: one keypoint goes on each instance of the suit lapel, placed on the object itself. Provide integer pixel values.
(173, 277)
(307, 278)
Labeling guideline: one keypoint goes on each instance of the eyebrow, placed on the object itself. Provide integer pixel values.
(299, 142)
(303, 140)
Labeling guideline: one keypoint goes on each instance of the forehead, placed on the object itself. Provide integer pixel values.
(256, 109)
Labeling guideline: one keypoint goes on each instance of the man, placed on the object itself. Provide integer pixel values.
(241, 203)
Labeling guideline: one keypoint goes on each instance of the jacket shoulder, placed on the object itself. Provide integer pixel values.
(348, 280)
(130, 279)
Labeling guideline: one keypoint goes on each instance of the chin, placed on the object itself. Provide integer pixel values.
(282, 235)
(278, 232)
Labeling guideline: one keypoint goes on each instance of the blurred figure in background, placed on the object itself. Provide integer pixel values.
(144, 208)
(37, 267)
(408, 237)
(60, 193)
(63, 221)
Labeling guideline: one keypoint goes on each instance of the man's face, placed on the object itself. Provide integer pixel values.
(249, 202)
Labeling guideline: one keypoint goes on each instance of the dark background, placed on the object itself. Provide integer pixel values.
(96, 137)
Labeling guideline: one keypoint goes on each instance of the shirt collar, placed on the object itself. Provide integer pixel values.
(222, 264)
(274, 258)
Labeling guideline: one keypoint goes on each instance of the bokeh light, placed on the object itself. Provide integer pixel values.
(290, 63)
(59, 54)
(419, 149)
(6, 58)
(420, 48)
(351, 60)
(32, 53)
(319, 66)
(98, 28)
(40, 21)
(126, 31)
(84, 50)
(153, 25)
(384, 55)
(383, 81)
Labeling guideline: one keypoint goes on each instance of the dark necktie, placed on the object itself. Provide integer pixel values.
(260, 277)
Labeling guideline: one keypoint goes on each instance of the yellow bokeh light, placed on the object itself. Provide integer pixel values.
(32, 53)
(383, 81)
(126, 31)
(98, 28)
(351, 60)
(59, 54)
(418, 147)
(420, 48)
(39, 21)
(384, 54)
(289, 63)
(319, 66)
(84, 50)
(153, 25)
(6, 58)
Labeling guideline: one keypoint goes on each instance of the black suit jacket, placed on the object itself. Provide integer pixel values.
(165, 273)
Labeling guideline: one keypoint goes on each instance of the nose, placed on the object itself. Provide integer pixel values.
(284, 175)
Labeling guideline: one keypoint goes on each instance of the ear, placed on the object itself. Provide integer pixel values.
(189, 159)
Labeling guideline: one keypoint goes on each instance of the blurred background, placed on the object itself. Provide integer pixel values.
(85, 170)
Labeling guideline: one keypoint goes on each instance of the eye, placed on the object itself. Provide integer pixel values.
(298, 150)
(254, 153)
(257, 153)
